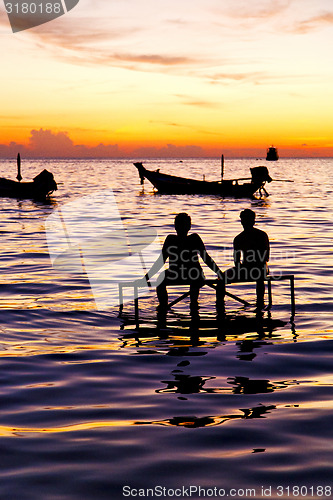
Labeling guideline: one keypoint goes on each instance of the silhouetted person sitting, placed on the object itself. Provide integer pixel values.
(251, 254)
(183, 251)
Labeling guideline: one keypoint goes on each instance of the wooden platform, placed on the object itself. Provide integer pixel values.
(212, 283)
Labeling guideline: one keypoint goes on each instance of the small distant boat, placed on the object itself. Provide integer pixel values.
(272, 154)
(171, 184)
(41, 187)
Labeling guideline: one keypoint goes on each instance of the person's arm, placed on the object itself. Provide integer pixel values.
(207, 259)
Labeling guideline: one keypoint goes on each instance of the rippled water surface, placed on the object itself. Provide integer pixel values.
(89, 404)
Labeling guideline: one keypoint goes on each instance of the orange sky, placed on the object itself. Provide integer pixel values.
(161, 78)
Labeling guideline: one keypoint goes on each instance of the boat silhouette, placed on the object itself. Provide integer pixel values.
(39, 188)
(236, 188)
(272, 154)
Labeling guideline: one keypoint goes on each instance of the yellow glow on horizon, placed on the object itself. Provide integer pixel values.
(215, 76)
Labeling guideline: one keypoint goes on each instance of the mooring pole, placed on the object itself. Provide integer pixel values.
(222, 167)
(18, 161)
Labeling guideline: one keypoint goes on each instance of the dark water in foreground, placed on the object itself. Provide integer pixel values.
(89, 406)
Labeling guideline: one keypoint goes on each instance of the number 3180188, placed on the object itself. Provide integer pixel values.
(33, 8)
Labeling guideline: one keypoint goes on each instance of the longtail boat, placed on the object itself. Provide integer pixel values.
(236, 188)
(39, 189)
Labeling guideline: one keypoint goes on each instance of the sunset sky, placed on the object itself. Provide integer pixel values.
(171, 78)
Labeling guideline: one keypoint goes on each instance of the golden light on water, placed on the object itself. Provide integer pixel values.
(37, 348)
(8, 431)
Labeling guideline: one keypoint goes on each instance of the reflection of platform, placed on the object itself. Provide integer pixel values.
(213, 284)
(193, 422)
(182, 331)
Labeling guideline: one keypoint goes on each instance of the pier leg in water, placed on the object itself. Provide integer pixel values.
(194, 296)
(260, 289)
(162, 296)
(220, 299)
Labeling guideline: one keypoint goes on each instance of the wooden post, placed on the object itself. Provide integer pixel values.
(121, 298)
(136, 306)
(222, 167)
(18, 161)
(269, 287)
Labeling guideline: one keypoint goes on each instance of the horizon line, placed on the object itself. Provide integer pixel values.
(164, 158)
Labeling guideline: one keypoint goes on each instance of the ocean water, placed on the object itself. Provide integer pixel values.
(93, 408)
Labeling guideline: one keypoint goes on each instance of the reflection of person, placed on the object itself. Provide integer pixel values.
(183, 250)
(251, 254)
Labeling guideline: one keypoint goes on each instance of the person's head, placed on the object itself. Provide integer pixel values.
(182, 224)
(247, 218)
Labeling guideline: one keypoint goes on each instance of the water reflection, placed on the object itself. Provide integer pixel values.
(242, 324)
(47, 203)
(72, 384)
(260, 202)
(194, 384)
(198, 330)
(185, 384)
(247, 347)
(195, 422)
(244, 385)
